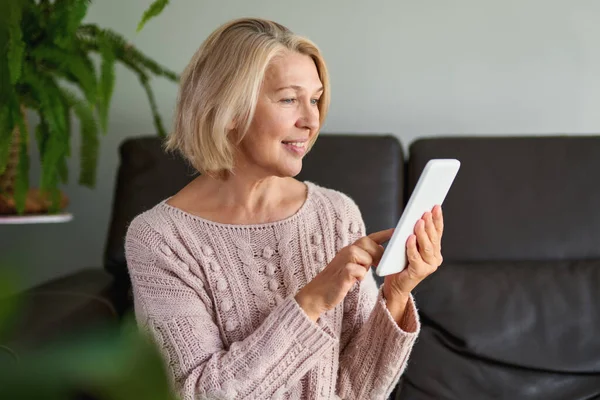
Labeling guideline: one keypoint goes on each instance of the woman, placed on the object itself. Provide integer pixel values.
(256, 285)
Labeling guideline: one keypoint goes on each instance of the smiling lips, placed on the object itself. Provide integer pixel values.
(295, 146)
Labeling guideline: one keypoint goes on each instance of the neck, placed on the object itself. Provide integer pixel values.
(244, 194)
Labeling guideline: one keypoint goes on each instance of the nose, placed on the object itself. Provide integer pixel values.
(309, 118)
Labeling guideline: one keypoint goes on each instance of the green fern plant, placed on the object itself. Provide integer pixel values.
(45, 49)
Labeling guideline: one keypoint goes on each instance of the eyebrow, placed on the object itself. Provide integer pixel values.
(296, 87)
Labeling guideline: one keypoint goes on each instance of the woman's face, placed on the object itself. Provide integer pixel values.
(286, 117)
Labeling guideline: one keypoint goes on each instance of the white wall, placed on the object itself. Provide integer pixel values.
(411, 68)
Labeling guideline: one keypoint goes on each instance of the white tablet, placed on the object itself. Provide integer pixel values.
(431, 189)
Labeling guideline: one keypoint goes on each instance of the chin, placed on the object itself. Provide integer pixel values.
(289, 171)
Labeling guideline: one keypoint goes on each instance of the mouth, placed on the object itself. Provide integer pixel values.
(296, 146)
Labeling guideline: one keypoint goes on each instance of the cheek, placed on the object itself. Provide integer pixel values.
(274, 122)
(277, 128)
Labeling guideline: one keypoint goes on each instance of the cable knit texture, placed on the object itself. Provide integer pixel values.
(218, 299)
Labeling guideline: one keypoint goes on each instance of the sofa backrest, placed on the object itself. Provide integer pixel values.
(146, 175)
(368, 168)
(513, 310)
(524, 198)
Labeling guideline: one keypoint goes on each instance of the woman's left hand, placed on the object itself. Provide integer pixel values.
(424, 255)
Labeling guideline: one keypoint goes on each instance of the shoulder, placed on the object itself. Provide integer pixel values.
(144, 237)
(146, 227)
(341, 204)
(340, 201)
(156, 231)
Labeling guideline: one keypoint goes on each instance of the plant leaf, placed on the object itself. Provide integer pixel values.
(74, 66)
(65, 18)
(16, 47)
(53, 109)
(139, 58)
(7, 96)
(156, 116)
(91, 34)
(107, 81)
(89, 139)
(155, 9)
(6, 128)
(22, 181)
(42, 133)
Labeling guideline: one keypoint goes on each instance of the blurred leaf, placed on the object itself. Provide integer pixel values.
(42, 133)
(116, 363)
(7, 96)
(155, 9)
(89, 138)
(74, 66)
(65, 18)
(22, 181)
(6, 134)
(107, 80)
(154, 108)
(16, 46)
(8, 304)
(57, 143)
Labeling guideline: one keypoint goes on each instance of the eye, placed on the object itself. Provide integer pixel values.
(314, 102)
(288, 101)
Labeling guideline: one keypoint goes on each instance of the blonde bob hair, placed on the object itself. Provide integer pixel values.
(220, 87)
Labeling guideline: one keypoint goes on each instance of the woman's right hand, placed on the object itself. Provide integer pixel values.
(349, 265)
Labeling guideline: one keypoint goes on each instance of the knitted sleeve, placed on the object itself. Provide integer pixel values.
(172, 304)
(374, 349)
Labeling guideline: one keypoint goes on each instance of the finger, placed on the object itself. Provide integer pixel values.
(418, 268)
(355, 271)
(382, 236)
(431, 231)
(424, 244)
(434, 238)
(371, 247)
(438, 220)
(412, 252)
(358, 255)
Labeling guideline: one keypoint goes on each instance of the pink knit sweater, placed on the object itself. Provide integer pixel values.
(219, 301)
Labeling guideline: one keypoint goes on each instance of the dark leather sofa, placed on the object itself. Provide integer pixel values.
(512, 314)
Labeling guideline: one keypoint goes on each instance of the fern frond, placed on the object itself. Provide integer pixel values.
(16, 46)
(62, 169)
(89, 139)
(7, 99)
(65, 18)
(144, 80)
(91, 36)
(107, 82)
(6, 86)
(22, 179)
(74, 66)
(141, 59)
(42, 133)
(54, 112)
(7, 125)
(155, 9)
(155, 115)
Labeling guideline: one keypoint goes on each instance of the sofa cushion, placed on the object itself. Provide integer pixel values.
(60, 309)
(514, 310)
(508, 330)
